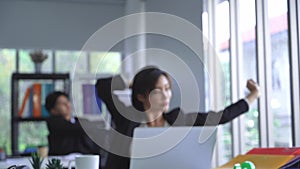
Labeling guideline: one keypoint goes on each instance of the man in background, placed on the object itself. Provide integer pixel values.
(65, 132)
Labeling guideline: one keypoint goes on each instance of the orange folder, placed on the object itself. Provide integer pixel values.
(36, 100)
(277, 150)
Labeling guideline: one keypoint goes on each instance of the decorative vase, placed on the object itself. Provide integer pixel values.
(38, 57)
(38, 67)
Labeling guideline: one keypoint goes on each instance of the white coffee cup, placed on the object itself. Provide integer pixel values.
(85, 161)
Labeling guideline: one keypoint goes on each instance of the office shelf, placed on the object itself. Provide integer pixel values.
(15, 94)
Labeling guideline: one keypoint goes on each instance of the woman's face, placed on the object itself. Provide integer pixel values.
(159, 98)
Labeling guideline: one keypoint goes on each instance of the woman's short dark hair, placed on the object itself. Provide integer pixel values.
(144, 82)
(52, 98)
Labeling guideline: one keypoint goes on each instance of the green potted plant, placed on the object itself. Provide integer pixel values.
(36, 161)
(54, 164)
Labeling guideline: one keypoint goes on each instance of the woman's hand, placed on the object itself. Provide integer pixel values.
(254, 91)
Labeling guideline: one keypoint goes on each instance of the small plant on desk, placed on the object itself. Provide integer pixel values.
(36, 161)
(54, 164)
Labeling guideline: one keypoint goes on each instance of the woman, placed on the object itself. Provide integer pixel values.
(151, 95)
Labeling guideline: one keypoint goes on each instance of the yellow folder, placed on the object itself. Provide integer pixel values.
(260, 161)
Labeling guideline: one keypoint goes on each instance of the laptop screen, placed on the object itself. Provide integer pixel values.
(173, 148)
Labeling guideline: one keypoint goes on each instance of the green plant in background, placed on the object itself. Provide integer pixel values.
(37, 137)
(36, 161)
(54, 164)
(7, 61)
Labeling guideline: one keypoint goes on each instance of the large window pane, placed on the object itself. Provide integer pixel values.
(65, 62)
(47, 66)
(222, 42)
(32, 135)
(7, 62)
(27, 66)
(281, 99)
(102, 62)
(247, 24)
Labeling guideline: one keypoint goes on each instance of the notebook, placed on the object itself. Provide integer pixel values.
(173, 148)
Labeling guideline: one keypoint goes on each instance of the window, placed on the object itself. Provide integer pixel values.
(27, 66)
(222, 47)
(281, 95)
(105, 62)
(248, 37)
(276, 117)
(8, 65)
(65, 61)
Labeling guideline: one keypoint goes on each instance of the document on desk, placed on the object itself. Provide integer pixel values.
(14, 161)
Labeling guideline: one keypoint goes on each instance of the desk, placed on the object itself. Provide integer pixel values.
(25, 161)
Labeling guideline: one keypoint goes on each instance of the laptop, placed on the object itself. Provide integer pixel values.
(173, 148)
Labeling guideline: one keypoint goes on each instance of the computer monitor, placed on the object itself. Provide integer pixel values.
(173, 148)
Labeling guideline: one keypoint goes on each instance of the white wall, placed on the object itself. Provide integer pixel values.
(135, 43)
(190, 10)
(55, 24)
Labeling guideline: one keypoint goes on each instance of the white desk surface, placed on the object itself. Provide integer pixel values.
(25, 161)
